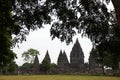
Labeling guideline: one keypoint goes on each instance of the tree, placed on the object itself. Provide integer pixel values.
(6, 59)
(29, 55)
(108, 52)
(53, 65)
(108, 59)
(30, 15)
(26, 68)
(109, 48)
(8, 28)
(105, 58)
(12, 67)
(116, 4)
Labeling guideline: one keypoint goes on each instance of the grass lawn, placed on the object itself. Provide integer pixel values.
(58, 77)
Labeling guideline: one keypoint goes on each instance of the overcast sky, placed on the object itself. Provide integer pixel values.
(42, 41)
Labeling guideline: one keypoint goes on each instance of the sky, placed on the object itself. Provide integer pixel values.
(41, 41)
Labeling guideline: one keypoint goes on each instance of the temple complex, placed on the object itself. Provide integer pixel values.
(75, 65)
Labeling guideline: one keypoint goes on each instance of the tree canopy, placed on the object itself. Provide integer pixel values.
(29, 55)
(91, 18)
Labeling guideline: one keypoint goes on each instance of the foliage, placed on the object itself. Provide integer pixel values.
(108, 50)
(31, 14)
(8, 27)
(12, 67)
(26, 66)
(6, 60)
(53, 65)
(89, 17)
(29, 55)
(106, 58)
(110, 47)
(92, 21)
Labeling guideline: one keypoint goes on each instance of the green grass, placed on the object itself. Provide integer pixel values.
(58, 77)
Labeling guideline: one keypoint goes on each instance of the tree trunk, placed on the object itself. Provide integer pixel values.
(103, 69)
(114, 72)
(116, 4)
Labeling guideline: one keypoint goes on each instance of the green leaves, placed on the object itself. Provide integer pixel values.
(29, 55)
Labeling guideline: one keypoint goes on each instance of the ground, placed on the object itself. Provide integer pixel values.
(58, 77)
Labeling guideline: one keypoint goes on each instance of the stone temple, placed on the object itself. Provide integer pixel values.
(62, 62)
(75, 65)
(77, 58)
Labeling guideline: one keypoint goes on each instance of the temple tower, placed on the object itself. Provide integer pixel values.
(45, 66)
(36, 65)
(77, 58)
(66, 62)
(60, 59)
(62, 62)
(47, 58)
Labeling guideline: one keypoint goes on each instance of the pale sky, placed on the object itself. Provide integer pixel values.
(42, 41)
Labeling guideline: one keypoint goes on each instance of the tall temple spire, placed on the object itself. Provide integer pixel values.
(77, 57)
(62, 62)
(77, 50)
(45, 66)
(60, 58)
(66, 62)
(47, 57)
(36, 61)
